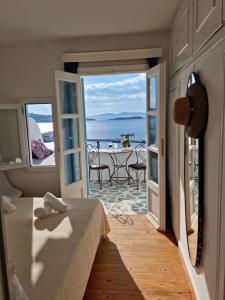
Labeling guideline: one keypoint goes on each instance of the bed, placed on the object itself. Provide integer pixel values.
(54, 256)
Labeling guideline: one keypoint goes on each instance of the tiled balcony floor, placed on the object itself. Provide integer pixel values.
(121, 198)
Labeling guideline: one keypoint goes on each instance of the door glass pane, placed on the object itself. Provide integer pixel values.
(153, 131)
(153, 93)
(68, 97)
(153, 166)
(72, 168)
(70, 133)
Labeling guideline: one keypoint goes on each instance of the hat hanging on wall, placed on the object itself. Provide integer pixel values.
(191, 111)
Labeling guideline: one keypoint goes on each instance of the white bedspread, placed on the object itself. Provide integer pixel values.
(54, 256)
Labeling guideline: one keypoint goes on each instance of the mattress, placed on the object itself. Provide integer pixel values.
(54, 256)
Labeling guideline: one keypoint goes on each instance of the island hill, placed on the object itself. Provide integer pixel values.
(90, 119)
(128, 118)
(117, 117)
(40, 118)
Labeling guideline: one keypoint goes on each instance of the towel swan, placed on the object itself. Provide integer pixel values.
(51, 202)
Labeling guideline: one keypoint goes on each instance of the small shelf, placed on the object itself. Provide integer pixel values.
(5, 167)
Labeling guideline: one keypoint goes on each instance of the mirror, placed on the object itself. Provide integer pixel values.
(194, 173)
(10, 146)
(192, 196)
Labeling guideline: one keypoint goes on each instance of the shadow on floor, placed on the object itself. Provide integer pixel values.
(123, 218)
(109, 277)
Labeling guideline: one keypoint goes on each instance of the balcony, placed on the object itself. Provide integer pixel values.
(118, 197)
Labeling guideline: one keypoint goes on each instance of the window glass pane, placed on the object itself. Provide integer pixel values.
(40, 134)
(153, 166)
(153, 131)
(70, 133)
(72, 167)
(68, 97)
(153, 93)
(10, 151)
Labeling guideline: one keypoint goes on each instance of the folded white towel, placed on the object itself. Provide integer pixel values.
(8, 207)
(50, 202)
(43, 212)
(55, 203)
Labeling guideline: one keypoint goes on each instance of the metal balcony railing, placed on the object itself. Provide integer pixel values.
(101, 142)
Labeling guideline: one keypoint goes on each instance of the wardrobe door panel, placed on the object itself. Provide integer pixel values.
(207, 19)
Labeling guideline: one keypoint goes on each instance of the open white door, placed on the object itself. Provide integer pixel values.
(156, 114)
(71, 137)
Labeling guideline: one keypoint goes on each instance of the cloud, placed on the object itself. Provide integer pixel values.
(114, 94)
(130, 82)
(114, 98)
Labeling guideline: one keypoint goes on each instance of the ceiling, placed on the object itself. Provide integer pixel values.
(30, 20)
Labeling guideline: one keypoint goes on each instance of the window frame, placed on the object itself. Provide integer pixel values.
(40, 168)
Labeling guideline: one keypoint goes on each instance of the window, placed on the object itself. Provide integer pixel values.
(40, 134)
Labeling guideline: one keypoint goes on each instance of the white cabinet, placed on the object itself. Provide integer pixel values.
(181, 36)
(174, 158)
(207, 19)
(223, 10)
(195, 22)
(172, 53)
(183, 33)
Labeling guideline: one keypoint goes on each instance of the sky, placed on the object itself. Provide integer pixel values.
(43, 109)
(109, 94)
(115, 93)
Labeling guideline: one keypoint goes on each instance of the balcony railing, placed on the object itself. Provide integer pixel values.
(105, 157)
(106, 142)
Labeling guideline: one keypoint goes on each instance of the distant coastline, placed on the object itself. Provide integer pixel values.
(128, 118)
(90, 119)
(117, 116)
(41, 118)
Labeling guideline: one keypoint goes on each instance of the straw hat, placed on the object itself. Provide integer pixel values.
(191, 111)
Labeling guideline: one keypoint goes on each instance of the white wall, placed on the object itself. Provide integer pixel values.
(27, 71)
(209, 62)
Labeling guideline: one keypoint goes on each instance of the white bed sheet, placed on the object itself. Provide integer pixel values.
(54, 256)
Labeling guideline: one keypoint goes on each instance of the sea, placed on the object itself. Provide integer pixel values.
(112, 129)
(109, 129)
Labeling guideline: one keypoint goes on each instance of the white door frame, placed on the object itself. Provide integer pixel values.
(157, 192)
(119, 55)
(76, 189)
(112, 55)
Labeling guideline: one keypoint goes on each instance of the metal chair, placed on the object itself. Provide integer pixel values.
(140, 165)
(95, 164)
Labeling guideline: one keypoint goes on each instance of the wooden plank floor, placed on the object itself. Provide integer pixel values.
(137, 262)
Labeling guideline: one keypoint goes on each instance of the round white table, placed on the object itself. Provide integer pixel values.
(119, 158)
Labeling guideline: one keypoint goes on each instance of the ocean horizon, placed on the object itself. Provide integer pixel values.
(112, 129)
(108, 129)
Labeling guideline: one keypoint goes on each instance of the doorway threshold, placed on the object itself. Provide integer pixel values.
(120, 198)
